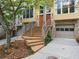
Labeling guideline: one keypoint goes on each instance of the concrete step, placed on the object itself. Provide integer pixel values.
(34, 34)
(36, 44)
(31, 42)
(31, 38)
(37, 48)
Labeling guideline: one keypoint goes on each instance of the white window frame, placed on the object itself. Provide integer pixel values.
(47, 9)
(29, 15)
(56, 13)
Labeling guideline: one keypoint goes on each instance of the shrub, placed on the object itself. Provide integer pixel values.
(77, 39)
(48, 38)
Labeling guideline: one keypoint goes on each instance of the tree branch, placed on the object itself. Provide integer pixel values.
(1, 19)
(14, 14)
(21, 1)
(12, 5)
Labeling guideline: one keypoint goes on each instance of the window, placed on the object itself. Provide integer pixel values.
(66, 29)
(57, 29)
(71, 29)
(41, 9)
(62, 29)
(65, 9)
(47, 9)
(28, 12)
(59, 8)
(31, 11)
(65, 5)
(72, 9)
(72, 6)
(58, 11)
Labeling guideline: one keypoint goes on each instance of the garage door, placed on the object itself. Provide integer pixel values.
(65, 31)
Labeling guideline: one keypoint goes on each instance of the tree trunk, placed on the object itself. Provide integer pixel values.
(7, 46)
(8, 37)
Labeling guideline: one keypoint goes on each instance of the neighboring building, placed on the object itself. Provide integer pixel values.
(43, 18)
(66, 16)
(29, 15)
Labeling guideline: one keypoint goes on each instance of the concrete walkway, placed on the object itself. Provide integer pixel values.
(61, 48)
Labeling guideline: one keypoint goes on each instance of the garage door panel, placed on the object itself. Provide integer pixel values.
(61, 34)
(65, 31)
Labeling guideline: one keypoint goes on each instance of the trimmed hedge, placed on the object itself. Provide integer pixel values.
(48, 38)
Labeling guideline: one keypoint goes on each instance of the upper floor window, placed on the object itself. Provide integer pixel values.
(42, 9)
(64, 9)
(72, 6)
(28, 12)
(59, 8)
(64, 6)
(47, 9)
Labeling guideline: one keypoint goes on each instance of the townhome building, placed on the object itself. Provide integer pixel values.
(66, 17)
(42, 18)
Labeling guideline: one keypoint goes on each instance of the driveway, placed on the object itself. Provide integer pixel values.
(62, 48)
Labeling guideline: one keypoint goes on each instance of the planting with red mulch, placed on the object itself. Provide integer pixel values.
(18, 50)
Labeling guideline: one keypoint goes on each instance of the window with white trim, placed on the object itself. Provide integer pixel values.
(64, 6)
(28, 12)
(42, 9)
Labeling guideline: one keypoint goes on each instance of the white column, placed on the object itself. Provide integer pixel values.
(77, 29)
(44, 23)
(77, 6)
(76, 1)
(61, 7)
(68, 8)
(44, 15)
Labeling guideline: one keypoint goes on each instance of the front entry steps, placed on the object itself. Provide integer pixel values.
(35, 43)
(34, 39)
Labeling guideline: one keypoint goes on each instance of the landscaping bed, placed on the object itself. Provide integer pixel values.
(17, 50)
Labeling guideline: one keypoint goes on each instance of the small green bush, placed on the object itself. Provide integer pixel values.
(48, 38)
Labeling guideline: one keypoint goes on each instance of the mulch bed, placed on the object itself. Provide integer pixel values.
(18, 50)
